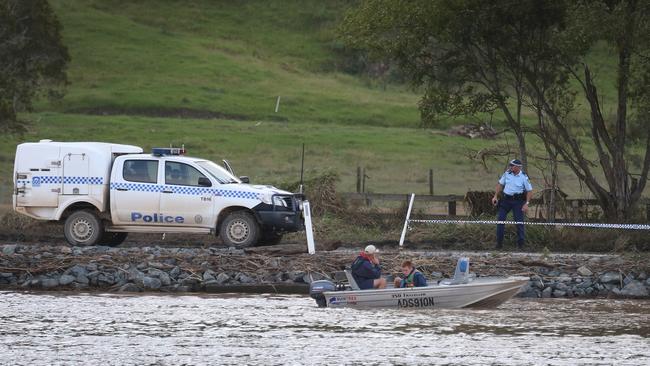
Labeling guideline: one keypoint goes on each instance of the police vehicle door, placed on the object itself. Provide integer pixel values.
(38, 178)
(188, 194)
(75, 173)
(135, 192)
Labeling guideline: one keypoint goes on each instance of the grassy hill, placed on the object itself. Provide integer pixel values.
(137, 67)
(231, 58)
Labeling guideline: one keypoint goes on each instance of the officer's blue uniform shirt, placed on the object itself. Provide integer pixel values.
(514, 184)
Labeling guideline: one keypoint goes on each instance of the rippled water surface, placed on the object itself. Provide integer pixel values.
(42, 329)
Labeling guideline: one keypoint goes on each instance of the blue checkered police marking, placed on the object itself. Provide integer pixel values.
(236, 194)
(83, 180)
(190, 191)
(139, 187)
(50, 179)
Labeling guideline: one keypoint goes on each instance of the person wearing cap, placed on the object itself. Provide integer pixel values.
(516, 193)
(366, 270)
(412, 277)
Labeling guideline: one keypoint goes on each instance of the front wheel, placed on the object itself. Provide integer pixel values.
(239, 229)
(83, 228)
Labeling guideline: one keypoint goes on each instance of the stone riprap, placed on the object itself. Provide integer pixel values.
(165, 269)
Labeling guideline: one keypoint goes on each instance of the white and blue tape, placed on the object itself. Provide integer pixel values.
(573, 224)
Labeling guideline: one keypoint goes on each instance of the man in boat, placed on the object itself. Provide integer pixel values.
(366, 270)
(412, 277)
(516, 193)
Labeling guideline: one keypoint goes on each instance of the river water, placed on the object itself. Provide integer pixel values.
(90, 329)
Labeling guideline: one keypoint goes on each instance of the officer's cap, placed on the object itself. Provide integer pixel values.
(515, 162)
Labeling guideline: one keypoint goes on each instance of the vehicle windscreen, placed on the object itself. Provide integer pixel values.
(219, 173)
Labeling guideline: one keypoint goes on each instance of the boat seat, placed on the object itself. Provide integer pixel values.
(461, 275)
(351, 281)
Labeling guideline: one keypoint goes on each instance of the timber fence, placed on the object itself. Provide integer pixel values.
(456, 205)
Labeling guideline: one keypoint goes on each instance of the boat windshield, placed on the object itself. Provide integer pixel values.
(217, 172)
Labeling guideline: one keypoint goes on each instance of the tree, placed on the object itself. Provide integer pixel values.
(472, 56)
(622, 27)
(33, 58)
(466, 54)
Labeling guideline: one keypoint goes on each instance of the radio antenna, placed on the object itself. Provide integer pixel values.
(302, 166)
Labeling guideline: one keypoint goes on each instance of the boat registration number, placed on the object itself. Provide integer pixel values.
(416, 303)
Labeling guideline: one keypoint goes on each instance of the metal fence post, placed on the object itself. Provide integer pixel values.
(452, 208)
(358, 179)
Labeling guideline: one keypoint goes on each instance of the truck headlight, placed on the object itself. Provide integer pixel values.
(275, 201)
(278, 201)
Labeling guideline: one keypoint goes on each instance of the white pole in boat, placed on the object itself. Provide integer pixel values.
(406, 222)
(311, 246)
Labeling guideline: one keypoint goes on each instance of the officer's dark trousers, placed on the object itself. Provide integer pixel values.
(505, 205)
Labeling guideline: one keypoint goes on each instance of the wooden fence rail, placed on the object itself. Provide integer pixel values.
(453, 199)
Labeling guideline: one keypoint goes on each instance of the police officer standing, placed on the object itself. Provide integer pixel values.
(516, 195)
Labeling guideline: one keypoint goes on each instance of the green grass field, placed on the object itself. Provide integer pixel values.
(396, 159)
(233, 59)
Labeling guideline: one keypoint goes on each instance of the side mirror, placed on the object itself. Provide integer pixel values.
(244, 179)
(204, 182)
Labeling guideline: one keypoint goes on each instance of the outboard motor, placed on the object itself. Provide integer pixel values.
(316, 290)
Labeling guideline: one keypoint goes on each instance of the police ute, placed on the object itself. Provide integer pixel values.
(103, 191)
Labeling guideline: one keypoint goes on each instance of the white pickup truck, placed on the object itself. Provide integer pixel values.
(103, 191)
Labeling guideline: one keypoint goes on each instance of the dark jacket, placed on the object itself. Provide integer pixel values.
(414, 279)
(365, 272)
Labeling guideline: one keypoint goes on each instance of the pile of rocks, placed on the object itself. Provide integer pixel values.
(125, 269)
(586, 283)
(170, 269)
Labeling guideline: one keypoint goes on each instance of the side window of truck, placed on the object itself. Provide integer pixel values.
(181, 174)
(143, 171)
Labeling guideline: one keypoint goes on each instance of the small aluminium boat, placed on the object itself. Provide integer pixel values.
(459, 292)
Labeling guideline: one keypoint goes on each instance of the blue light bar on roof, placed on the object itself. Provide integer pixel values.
(162, 151)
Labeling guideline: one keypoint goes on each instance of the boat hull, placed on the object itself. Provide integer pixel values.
(479, 293)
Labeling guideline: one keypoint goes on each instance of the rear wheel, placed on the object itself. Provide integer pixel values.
(113, 239)
(239, 229)
(83, 228)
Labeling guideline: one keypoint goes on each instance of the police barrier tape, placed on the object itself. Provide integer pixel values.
(497, 222)
(574, 224)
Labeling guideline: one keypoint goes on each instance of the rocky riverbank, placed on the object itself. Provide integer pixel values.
(164, 269)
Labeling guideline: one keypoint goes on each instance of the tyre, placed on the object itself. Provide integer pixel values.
(239, 229)
(83, 228)
(270, 238)
(113, 239)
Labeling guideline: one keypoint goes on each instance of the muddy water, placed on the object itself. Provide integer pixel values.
(50, 329)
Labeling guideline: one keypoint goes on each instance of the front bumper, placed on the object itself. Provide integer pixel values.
(280, 218)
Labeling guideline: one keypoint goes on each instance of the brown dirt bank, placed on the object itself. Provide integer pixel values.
(165, 112)
(348, 230)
